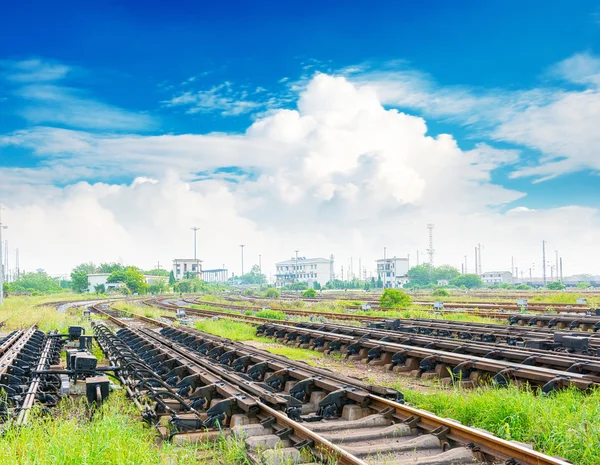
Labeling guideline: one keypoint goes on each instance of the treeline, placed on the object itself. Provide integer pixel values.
(132, 278)
(36, 284)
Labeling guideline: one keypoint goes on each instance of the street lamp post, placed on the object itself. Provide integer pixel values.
(194, 229)
(242, 247)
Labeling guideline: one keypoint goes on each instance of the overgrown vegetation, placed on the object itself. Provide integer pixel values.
(271, 314)
(234, 330)
(114, 435)
(271, 293)
(310, 293)
(564, 424)
(394, 298)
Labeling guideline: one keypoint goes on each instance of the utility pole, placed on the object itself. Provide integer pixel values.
(512, 265)
(417, 258)
(408, 258)
(296, 271)
(475, 260)
(1, 261)
(242, 247)
(517, 272)
(359, 268)
(544, 260)
(194, 229)
(479, 270)
(558, 277)
(561, 275)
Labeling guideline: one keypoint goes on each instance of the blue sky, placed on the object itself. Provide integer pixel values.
(80, 82)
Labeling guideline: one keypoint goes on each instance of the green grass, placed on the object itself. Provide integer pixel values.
(304, 355)
(272, 314)
(23, 311)
(114, 435)
(567, 423)
(234, 330)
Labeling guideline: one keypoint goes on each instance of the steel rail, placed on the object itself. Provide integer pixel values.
(468, 362)
(484, 442)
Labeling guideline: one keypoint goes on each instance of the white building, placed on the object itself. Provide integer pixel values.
(310, 270)
(497, 277)
(95, 279)
(219, 275)
(183, 267)
(393, 271)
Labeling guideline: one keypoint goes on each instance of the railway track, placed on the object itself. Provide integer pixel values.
(284, 411)
(21, 353)
(572, 322)
(483, 305)
(452, 360)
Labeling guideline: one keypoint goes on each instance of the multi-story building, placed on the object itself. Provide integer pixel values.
(497, 277)
(187, 267)
(310, 270)
(218, 275)
(393, 271)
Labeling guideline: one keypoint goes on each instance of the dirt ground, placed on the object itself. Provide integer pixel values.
(356, 369)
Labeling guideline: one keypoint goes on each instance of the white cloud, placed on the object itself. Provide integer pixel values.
(42, 100)
(341, 174)
(222, 98)
(556, 122)
(33, 70)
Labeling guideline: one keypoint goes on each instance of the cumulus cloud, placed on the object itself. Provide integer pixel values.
(557, 123)
(340, 174)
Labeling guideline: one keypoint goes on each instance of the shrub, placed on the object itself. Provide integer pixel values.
(309, 293)
(441, 293)
(393, 298)
(271, 314)
(272, 293)
(555, 286)
(248, 292)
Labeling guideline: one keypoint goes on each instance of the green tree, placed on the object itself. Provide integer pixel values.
(583, 285)
(171, 278)
(79, 279)
(254, 277)
(310, 293)
(39, 283)
(157, 272)
(555, 286)
(132, 277)
(469, 281)
(100, 289)
(394, 298)
(420, 275)
(110, 267)
(444, 272)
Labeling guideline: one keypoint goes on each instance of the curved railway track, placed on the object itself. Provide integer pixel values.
(285, 410)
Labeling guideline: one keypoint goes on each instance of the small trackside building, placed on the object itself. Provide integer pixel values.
(497, 277)
(190, 267)
(218, 275)
(310, 270)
